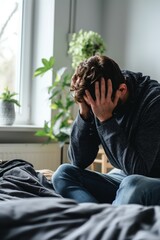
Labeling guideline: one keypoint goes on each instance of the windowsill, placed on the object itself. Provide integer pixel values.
(20, 128)
(20, 134)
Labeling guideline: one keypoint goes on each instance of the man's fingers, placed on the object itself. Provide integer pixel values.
(88, 98)
(97, 91)
(109, 92)
(103, 89)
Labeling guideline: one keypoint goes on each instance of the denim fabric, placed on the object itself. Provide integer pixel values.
(138, 189)
(86, 186)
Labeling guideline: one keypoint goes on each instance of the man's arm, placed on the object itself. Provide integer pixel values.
(84, 142)
(133, 156)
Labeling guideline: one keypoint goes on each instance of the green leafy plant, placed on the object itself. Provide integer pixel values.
(58, 129)
(84, 45)
(9, 96)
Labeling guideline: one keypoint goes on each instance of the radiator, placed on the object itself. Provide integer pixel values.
(42, 156)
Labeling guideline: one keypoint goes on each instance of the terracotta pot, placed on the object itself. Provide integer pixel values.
(7, 113)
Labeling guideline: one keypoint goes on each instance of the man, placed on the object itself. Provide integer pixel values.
(119, 110)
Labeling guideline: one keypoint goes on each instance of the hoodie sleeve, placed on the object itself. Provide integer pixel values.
(84, 142)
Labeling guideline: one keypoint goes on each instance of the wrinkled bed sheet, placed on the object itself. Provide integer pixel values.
(31, 210)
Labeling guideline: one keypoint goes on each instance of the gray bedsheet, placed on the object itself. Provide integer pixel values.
(31, 210)
(57, 218)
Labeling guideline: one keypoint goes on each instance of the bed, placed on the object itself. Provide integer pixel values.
(31, 210)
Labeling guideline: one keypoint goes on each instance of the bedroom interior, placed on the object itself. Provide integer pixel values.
(119, 25)
(130, 29)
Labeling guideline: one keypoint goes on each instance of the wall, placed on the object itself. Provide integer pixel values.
(133, 34)
(86, 15)
(130, 29)
(40, 155)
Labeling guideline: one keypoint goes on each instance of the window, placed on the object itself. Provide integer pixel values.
(24, 41)
(13, 42)
(9, 34)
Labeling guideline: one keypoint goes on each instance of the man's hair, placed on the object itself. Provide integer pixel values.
(92, 70)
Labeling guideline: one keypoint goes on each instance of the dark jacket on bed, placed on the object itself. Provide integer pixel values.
(131, 138)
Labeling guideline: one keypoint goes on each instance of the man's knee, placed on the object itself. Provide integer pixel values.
(63, 173)
(132, 181)
(130, 190)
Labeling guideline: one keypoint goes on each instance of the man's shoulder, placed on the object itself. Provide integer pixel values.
(131, 74)
(141, 80)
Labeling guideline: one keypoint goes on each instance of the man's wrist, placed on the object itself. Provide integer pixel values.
(86, 116)
(106, 118)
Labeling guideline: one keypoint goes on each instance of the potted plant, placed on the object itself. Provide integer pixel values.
(59, 127)
(85, 44)
(7, 107)
(82, 45)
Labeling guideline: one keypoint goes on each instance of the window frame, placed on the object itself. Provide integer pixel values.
(33, 93)
(36, 44)
(25, 63)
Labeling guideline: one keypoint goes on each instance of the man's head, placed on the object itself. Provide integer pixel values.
(94, 69)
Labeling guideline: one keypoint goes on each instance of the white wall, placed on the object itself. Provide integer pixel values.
(133, 34)
(40, 155)
(130, 29)
(87, 16)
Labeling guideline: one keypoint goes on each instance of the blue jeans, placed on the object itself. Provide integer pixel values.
(138, 189)
(114, 187)
(85, 185)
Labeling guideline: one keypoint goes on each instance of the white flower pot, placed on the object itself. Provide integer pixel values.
(7, 113)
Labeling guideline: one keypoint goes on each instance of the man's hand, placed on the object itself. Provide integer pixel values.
(84, 110)
(83, 106)
(103, 106)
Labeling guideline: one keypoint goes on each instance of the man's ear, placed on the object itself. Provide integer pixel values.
(123, 91)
